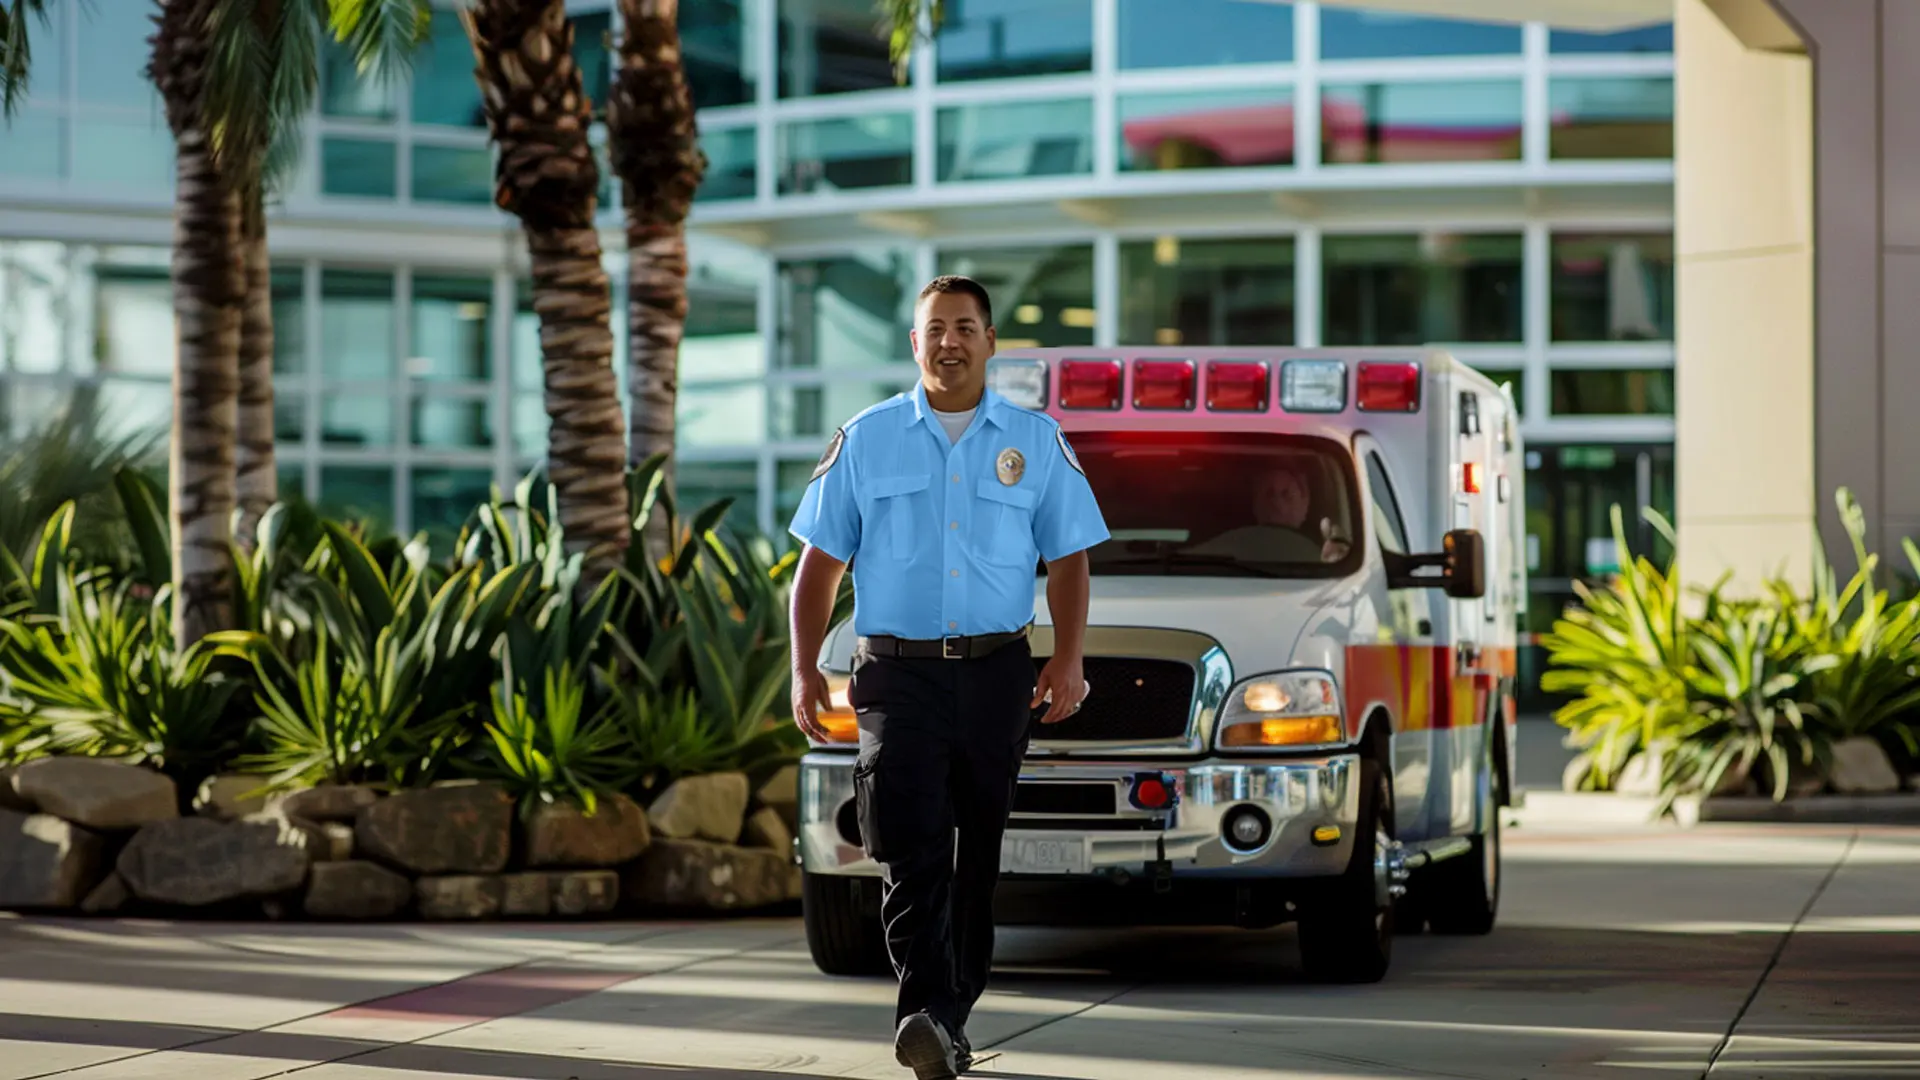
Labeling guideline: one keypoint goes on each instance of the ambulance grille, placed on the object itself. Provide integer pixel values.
(1132, 699)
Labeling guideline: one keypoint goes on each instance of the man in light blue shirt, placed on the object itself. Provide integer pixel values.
(945, 501)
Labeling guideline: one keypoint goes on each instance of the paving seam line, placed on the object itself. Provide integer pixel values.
(1779, 950)
(542, 959)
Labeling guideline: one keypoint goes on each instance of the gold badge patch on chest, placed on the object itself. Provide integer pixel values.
(1011, 466)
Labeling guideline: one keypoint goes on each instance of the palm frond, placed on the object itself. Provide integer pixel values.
(16, 50)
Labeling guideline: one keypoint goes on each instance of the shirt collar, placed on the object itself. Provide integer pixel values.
(992, 406)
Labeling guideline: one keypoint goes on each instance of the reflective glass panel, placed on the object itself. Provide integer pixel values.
(358, 167)
(345, 93)
(444, 90)
(1596, 392)
(289, 284)
(135, 410)
(1041, 296)
(832, 47)
(720, 413)
(809, 413)
(1012, 140)
(356, 419)
(718, 48)
(451, 342)
(1204, 33)
(444, 498)
(455, 174)
(848, 312)
(1612, 287)
(289, 414)
(698, 484)
(34, 278)
(131, 152)
(530, 424)
(452, 423)
(1657, 38)
(730, 164)
(592, 32)
(1414, 290)
(999, 39)
(1398, 122)
(1349, 34)
(846, 153)
(34, 145)
(1611, 119)
(1222, 129)
(358, 493)
(1207, 292)
(133, 321)
(356, 325)
(114, 53)
(28, 405)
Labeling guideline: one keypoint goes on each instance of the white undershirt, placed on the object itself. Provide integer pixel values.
(955, 422)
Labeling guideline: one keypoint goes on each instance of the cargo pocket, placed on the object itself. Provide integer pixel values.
(1005, 521)
(866, 795)
(892, 506)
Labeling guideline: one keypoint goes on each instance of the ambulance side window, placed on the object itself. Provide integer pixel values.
(1386, 509)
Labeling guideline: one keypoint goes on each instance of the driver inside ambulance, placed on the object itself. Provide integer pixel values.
(1283, 499)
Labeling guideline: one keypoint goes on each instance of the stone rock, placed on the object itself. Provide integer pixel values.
(356, 889)
(440, 830)
(196, 861)
(230, 796)
(109, 896)
(96, 794)
(9, 798)
(585, 892)
(682, 874)
(1861, 767)
(526, 894)
(781, 794)
(330, 802)
(765, 829)
(711, 807)
(561, 834)
(460, 896)
(46, 862)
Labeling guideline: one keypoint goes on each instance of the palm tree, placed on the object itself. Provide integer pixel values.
(538, 114)
(16, 50)
(656, 151)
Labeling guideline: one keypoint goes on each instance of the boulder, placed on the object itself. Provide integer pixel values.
(330, 802)
(356, 889)
(1861, 767)
(230, 796)
(460, 896)
(766, 829)
(194, 861)
(689, 874)
(781, 794)
(585, 892)
(526, 895)
(711, 807)
(46, 862)
(9, 798)
(466, 829)
(107, 897)
(96, 794)
(561, 834)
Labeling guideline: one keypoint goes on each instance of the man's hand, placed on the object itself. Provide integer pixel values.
(809, 693)
(1062, 678)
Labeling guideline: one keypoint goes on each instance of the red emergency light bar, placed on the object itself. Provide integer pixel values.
(1388, 387)
(1163, 384)
(1237, 385)
(1090, 384)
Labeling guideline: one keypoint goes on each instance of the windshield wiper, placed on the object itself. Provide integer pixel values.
(1170, 559)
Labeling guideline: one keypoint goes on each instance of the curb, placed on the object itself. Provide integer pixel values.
(1559, 808)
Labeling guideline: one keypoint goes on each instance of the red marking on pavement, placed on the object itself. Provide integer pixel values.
(487, 996)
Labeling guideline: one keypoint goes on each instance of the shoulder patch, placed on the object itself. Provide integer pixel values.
(831, 455)
(1060, 436)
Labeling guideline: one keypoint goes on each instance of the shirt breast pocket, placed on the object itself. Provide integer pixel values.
(1005, 520)
(890, 516)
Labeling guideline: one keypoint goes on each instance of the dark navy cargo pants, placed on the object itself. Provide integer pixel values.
(941, 743)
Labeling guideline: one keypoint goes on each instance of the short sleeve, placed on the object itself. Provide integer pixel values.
(829, 516)
(1068, 519)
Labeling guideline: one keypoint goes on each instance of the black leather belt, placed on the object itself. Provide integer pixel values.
(951, 648)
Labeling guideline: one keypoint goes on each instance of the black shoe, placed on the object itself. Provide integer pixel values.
(922, 1045)
(962, 1053)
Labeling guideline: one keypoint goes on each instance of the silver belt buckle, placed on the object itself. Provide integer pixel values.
(950, 649)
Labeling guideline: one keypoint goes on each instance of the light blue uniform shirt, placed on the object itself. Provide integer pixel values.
(945, 536)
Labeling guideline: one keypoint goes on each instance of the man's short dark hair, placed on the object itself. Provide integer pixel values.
(956, 283)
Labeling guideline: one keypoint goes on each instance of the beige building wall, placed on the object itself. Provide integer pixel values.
(1743, 207)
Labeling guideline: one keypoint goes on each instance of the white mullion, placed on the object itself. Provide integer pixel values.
(401, 388)
(1106, 62)
(500, 345)
(766, 93)
(1106, 290)
(1308, 278)
(1535, 298)
(311, 410)
(765, 477)
(1535, 112)
(1306, 89)
(923, 66)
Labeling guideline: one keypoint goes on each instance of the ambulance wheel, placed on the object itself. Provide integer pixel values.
(1346, 932)
(843, 924)
(1462, 894)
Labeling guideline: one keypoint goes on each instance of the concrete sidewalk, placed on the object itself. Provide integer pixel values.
(1743, 951)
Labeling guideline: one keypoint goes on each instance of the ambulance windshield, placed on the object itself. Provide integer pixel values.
(1222, 504)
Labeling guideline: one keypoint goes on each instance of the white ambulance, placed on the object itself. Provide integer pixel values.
(1301, 646)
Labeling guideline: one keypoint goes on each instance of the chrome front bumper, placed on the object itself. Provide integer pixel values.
(1297, 797)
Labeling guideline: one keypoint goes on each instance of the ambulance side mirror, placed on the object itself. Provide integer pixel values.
(1465, 568)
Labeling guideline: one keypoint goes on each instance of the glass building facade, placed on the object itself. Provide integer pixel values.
(1117, 172)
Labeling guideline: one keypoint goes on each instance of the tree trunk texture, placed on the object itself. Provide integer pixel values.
(256, 481)
(655, 147)
(538, 114)
(208, 290)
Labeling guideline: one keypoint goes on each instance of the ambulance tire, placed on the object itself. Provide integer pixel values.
(1345, 935)
(1463, 894)
(843, 929)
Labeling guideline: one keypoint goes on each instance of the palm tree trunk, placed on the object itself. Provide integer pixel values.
(256, 480)
(655, 147)
(538, 114)
(208, 287)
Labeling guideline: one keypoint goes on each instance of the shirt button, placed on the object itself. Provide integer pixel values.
(952, 625)
(953, 524)
(956, 478)
(954, 573)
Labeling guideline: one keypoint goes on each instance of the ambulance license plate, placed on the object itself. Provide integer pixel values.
(1030, 853)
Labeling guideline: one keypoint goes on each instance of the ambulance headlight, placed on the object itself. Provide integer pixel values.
(1283, 710)
(1023, 382)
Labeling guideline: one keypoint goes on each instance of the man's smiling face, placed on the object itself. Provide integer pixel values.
(952, 344)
